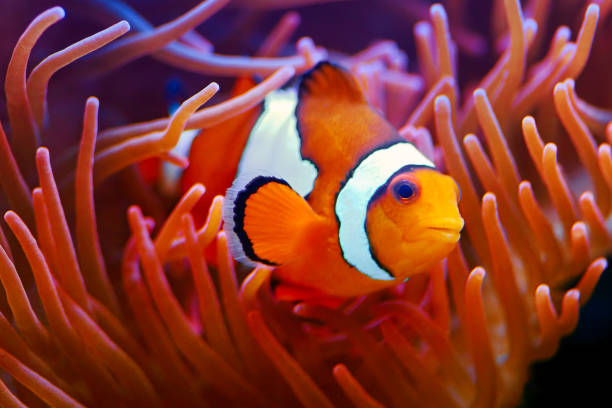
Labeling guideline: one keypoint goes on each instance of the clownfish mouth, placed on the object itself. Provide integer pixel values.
(450, 228)
(446, 234)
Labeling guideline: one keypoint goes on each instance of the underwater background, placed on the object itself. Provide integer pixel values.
(146, 88)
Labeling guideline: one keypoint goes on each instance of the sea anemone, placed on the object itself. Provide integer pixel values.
(135, 315)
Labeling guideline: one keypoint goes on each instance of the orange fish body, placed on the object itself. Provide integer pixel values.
(329, 194)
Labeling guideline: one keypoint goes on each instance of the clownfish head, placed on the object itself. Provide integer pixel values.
(413, 220)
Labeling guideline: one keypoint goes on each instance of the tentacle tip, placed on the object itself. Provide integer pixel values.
(593, 8)
(137, 223)
(299, 309)
(124, 26)
(573, 294)
(218, 198)
(197, 188)
(134, 213)
(58, 11)
(448, 81)
(469, 138)
(568, 51)
(477, 274)
(339, 370)
(579, 228)
(564, 31)
(222, 237)
(570, 83)
(524, 185)
(543, 290)
(601, 263)
(559, 87)
(93, 101)
(480, 93)
(528, 121)
(422, 28)
(305, 42)
(42, 153)
(530, 25)
(437, 9)
(550, 148)
(586, 196)
(489, 199)
(442, 104)
(10, 214)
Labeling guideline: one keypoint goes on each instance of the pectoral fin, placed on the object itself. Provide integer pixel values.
(266, 219)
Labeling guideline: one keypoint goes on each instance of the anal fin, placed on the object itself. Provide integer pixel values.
(269, 220)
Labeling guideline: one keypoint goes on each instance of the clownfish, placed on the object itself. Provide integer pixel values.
(331, 196)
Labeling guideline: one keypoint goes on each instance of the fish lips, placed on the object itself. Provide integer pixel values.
(448, 229)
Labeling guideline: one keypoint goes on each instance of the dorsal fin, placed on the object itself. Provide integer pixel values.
(336, 124)
(330, 81)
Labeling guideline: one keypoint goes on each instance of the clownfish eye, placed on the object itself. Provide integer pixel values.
(404, 190)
